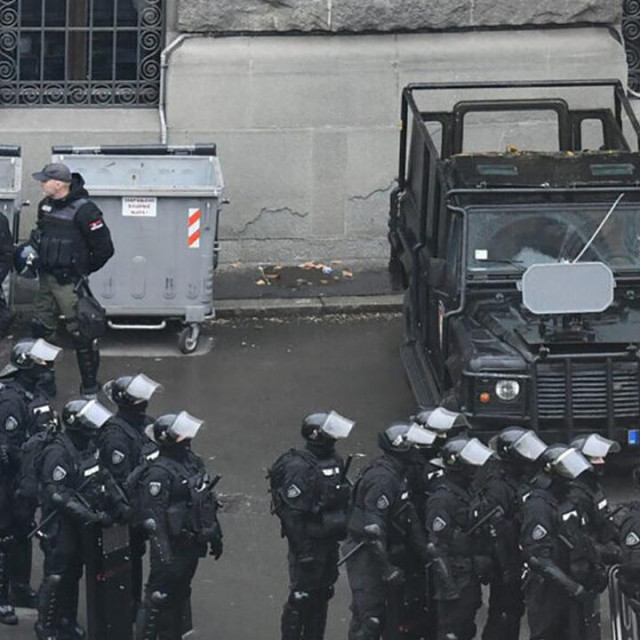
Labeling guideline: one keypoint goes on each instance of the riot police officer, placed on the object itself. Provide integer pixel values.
(384, 534)
(550, 591)
(73, 499)
(180, 511)
(124, 446)
(502, 486)
(587, 493)
(450, 520)
(72, 240)
(310, 494)
(23, 409)
(6, 259)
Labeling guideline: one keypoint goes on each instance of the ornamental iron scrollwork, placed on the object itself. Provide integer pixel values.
(139, 43)
(631, 34)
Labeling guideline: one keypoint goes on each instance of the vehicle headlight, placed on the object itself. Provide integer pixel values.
(507, 390)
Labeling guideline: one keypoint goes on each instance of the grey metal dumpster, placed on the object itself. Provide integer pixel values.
(162, 204)
(10, 199)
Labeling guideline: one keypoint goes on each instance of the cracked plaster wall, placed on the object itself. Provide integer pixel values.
(307, 128)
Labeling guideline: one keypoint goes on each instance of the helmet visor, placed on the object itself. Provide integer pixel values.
(43, 350)
(185, 426)
(94, 414)
(475, 453)
(529, 446)
(595, 446)
(337, 426)
(421, 437)
(441, 419)
(142, 387)
(570, 464)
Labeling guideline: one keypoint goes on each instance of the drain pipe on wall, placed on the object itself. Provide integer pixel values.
(165, 54)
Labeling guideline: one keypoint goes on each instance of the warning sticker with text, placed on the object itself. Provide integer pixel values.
(139, 207)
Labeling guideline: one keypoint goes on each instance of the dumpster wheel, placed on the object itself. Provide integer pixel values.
(188, 338)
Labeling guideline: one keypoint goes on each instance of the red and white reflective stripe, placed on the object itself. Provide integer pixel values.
(193, 237)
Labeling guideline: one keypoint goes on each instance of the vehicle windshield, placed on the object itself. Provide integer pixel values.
(512, 239)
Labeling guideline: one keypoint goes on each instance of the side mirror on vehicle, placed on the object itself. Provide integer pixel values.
(436, 272)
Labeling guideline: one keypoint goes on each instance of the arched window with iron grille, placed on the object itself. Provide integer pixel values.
(80, 52)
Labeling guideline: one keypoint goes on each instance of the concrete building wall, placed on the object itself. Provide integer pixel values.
(307, 127)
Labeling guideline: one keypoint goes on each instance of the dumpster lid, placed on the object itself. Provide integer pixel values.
(146, 174)
(198, 149)
(9, 151)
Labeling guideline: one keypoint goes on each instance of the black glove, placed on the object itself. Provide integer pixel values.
(216, 547)
(580, 594)
(5, 460)
(393, 576)
(102, 518)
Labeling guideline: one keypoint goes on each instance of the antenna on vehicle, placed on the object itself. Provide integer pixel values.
(597, 231)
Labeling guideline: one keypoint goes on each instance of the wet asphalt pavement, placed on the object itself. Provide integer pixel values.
(253, 381)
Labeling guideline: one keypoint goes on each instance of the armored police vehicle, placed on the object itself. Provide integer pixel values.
(515, 229)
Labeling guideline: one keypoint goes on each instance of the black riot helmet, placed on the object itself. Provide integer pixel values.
(464, 454)
(594, 447)
(564, 462)
(444, 422)
(326, 425)
(400, 437)
(172, 428)
(394, 438)
(83, 415)
(127, 391)
(30, 352)
(518, 445)
(26, 260)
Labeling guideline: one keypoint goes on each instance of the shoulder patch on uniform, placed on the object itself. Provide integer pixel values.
(293, 491)
(438, 524)
(95, 225)
(59, 473)
(632, 539)
(155, 488)
(383, 502)
(10, 424)
(117, 456)
(538, 532)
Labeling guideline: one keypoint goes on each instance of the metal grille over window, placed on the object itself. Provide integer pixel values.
(631, 33)
(80, 52)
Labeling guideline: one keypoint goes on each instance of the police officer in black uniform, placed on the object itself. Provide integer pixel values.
(384, 535)
(450, 518)
(124, 445)
(587, 494)
(310, 494)
(550, 591)
(73, 500)
(180, 511)
(501, 487)
(72, 240)
(6, 259)
(23, 408)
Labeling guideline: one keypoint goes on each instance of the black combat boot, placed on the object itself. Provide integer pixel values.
(88, 363)
(7, 612)
(21, 593)
(68, 603)
(149, 616)
(293, 615)
(47, 625)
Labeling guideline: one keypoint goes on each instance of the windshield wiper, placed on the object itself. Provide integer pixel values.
(597, 231)
(514, 263)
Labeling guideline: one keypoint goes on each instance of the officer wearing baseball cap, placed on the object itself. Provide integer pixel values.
(72, 240)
